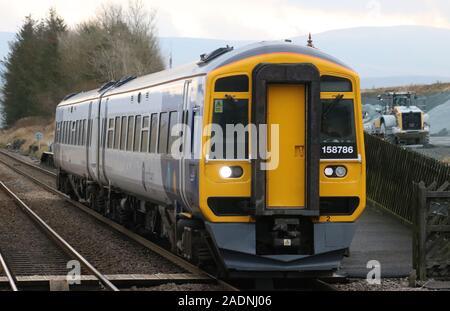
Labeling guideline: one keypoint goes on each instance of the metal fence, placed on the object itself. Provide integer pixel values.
(431, 242)
(392, 172)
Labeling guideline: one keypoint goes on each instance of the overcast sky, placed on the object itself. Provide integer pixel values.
(247, 19)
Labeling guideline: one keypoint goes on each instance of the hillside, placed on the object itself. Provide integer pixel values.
(430, 95)
(383, 56)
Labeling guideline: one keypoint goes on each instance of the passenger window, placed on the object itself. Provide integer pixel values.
(232, 84)
(153, 132)
(123, 133)
(137, 133)
(173, 120)
(335, 84)
(74, 124)
(130, 133)
(78, 135)
(117, 133)
(110, 133)
(163, 132)
(83, 142)
(144, 134)
(63, 138)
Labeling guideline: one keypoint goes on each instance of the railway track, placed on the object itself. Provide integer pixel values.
(43, 247)
(46, 179)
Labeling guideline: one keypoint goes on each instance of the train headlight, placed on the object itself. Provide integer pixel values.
(226, 172)
(329, 171)
(341, 171)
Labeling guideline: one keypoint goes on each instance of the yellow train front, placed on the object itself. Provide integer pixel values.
(282, 199)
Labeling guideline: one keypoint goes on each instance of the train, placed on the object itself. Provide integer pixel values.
(250, 160)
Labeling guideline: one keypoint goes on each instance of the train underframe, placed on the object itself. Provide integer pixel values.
(230, 250)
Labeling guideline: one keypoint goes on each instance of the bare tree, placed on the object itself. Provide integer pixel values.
(117, 42)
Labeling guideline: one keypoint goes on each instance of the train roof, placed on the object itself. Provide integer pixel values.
(199, 67)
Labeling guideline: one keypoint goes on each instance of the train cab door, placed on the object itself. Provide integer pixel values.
(286, 182)
(286, 99)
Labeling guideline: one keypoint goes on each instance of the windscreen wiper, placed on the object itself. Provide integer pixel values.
(332, 105)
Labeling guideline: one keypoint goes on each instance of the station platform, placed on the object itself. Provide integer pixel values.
(380, 236)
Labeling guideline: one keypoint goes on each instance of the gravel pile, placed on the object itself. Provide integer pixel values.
(107, 250)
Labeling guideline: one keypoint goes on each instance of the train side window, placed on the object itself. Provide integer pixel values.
(74, 125)
(237, 83)
(75, 136)
(63, 138)
(117, 133)
(137, 133)
(78, 132)
(90, 124)
(123, 133)
(335, 84)
(163, 131)
(130, 133)
(110, 133)
(139, 97)
(153, 132)
(68, 126)
(84, 133)
(69, 132)
(144, 134)
(173, 120)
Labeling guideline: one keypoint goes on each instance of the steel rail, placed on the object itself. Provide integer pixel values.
(129, 234)
(9, 275)
(40, 169)
(58, 239)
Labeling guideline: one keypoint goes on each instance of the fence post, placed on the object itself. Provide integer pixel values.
(421, 233)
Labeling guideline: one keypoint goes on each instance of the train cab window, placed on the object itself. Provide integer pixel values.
(163, 132)
(110, 133)
(237, 83)
(123, 133)
(335, 84)
(137, 133)
(230, 112)
(153, 132)
(130, 133)
(338, 134)
(173, 120)
(144, 134)
(117, 133)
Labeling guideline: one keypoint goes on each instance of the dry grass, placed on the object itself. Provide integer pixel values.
(25, 129)
(419, 89)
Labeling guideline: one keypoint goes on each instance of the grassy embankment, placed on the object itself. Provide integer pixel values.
(25, 129)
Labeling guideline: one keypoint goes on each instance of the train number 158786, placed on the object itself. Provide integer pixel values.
(338, 149)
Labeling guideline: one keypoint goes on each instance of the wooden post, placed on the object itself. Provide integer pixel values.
(422, 233)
